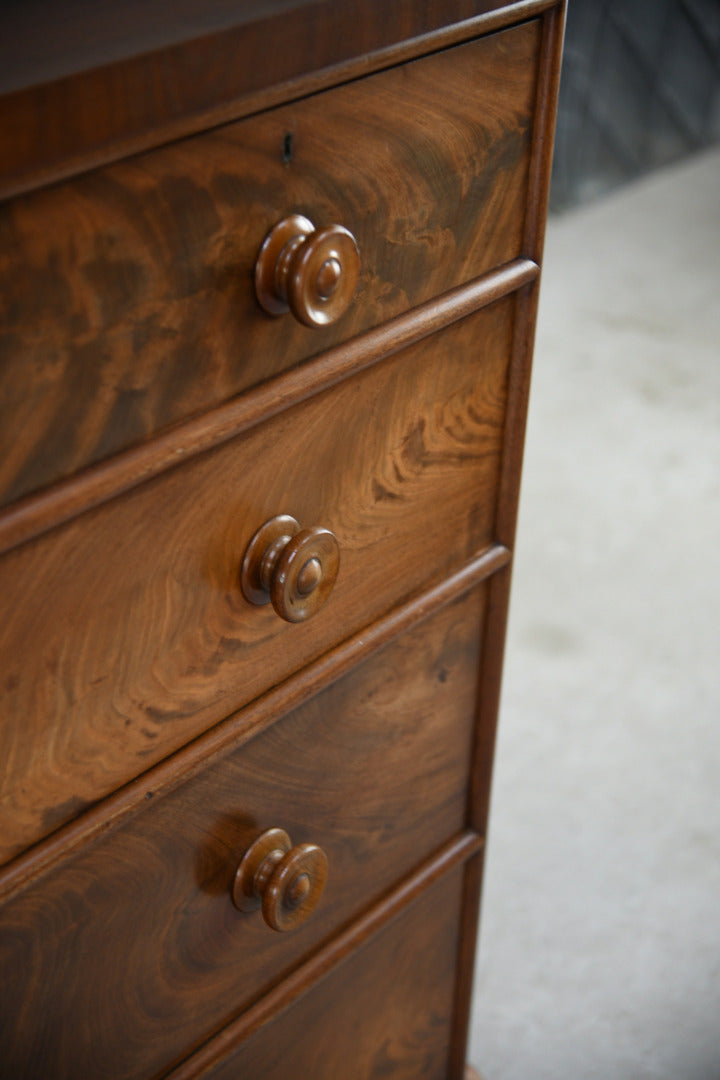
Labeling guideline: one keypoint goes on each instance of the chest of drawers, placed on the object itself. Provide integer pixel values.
(268, 276)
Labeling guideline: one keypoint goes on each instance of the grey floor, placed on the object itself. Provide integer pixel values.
(600, 934)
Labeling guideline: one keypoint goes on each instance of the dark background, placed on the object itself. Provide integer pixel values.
(640, 88)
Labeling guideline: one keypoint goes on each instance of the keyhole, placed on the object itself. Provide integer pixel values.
(287, 148)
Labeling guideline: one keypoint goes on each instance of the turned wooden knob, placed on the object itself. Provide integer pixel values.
(285, 881)
(292, 568)
(312, 272)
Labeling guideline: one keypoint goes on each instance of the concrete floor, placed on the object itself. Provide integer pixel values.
(600, 933)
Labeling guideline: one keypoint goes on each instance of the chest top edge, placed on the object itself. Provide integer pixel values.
(82, 85)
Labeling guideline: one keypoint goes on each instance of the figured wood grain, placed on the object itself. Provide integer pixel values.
(35, 514)
(136, 936)
(126, 297)
(126, 632)
(80, 95)
(389, 907)
(248, 722)
(399, 1030)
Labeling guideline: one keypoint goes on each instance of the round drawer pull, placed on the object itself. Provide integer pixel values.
(285, 881)
(292, 568)
(312, 272)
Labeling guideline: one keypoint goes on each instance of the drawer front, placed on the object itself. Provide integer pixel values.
(391, 1005)
(126, 296)
(126, 632)
(131, 952)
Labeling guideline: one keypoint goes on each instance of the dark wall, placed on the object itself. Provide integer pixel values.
(640, 88)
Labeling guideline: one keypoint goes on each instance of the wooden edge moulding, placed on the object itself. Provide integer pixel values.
(455, 854)
(182, 108)
(188, 105)
(37, 513)
(244, 724)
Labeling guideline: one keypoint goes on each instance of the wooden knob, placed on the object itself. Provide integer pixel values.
(312, 272)
(292, 568)
(285, 881)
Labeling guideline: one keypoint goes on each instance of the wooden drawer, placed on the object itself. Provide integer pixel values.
(126, 295)
(131, 953)
(126, 633)
(402, 1031)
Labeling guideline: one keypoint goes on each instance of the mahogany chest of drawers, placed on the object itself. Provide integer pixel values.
(268, 279)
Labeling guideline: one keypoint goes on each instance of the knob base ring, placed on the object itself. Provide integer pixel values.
(251, 583)
(295, 227)
(272, 844)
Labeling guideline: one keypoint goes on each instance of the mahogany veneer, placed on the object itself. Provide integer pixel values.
(119, 285)
(161, 642)
(374, 770)
(266, 330)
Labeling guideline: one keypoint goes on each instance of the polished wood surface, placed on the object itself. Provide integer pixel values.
(390, 906)
(399, 1032)
(67, 70)
(491, 659)
(33, 515)
(238, 728)
(141, 639)
(128, 296)
(265, 266)
(374, 771)
(311, 272)
(285, 881)
(294, 569)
